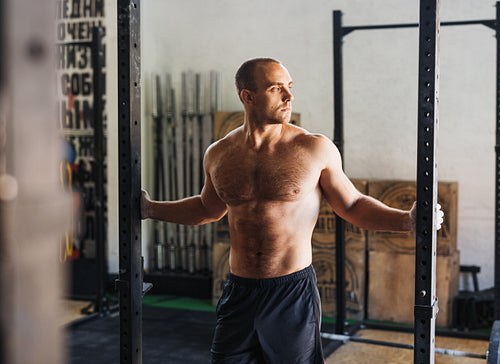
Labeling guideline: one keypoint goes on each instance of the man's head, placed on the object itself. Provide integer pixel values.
(264, 86)
(245, 76)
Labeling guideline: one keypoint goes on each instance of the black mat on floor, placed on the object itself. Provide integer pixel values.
(169, 336)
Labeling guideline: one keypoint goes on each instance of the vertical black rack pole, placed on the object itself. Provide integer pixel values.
(338, 138)
(497, 173)
(425, 256)
(99, 157)
(129, 158)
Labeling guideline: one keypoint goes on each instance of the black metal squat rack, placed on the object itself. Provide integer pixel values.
(130, 280)
(425, 309)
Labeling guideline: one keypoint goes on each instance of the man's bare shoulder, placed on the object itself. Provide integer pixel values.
(222, 145)
(315, 141)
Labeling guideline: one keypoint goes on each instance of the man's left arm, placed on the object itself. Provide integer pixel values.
(353, 206)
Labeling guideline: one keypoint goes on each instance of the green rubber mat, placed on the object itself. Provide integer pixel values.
(194, 304)
(185, 303)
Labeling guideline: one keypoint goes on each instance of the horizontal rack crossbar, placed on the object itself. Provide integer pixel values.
(349, 29)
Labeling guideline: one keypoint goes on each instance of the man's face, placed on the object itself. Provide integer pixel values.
(273, 96)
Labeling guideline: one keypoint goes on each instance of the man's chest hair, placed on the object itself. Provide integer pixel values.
(284, 177)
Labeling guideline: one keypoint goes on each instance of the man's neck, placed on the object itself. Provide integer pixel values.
(262, 134)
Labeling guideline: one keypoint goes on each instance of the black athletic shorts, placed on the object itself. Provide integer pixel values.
(270, 320)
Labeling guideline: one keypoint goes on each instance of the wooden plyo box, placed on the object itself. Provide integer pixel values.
(391, 292)
(355, 265)
(226, 121)
(400, 194)
(220, 258)
(323, 242)
(324, 231)
(221, 269)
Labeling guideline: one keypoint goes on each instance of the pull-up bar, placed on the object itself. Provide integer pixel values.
(425, 297)
(489, 23)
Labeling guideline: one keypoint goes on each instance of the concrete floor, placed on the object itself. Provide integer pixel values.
(351, 352)
(354, 352)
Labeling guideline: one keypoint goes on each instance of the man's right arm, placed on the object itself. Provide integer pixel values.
(195, 210)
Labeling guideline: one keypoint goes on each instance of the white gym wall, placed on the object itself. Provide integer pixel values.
(380, 88)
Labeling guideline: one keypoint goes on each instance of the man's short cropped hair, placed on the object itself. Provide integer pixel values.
(244, 78)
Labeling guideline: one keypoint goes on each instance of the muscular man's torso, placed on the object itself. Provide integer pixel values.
(273, 198)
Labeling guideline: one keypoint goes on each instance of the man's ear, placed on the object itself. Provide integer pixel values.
(246, 96)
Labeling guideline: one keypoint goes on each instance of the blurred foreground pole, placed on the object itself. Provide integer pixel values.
(34, 211)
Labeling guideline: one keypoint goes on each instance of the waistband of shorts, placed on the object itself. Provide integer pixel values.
(307, 272)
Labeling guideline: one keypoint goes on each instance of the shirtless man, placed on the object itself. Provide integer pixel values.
(269, 177)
